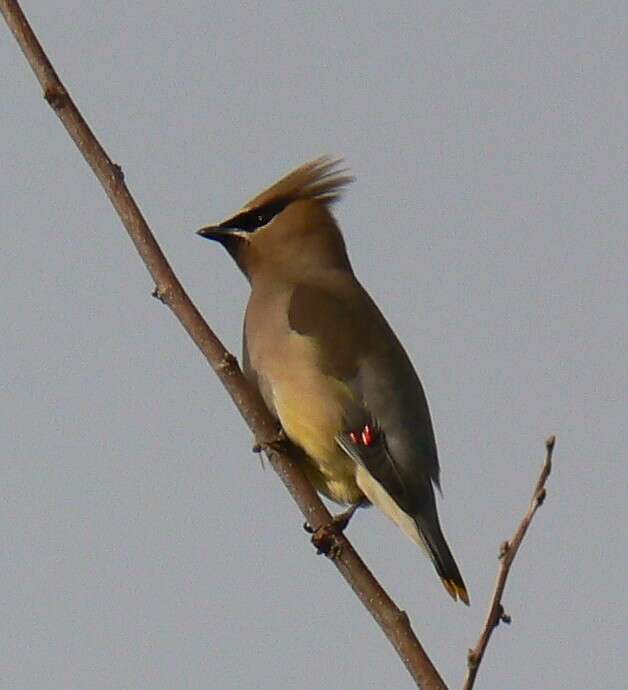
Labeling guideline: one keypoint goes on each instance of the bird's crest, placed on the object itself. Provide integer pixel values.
(318, 179)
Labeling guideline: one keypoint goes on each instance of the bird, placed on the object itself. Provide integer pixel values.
(327, 364)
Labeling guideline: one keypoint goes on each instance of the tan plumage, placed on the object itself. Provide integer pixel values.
(327, 363)
(319, 179)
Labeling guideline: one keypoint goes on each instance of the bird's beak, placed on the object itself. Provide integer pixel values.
(230, 238)
(213, 232)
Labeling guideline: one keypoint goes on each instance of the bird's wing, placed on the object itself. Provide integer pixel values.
(347, 329)
(386, 422)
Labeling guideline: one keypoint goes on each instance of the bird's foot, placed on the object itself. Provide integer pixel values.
(326, 538)
(275, 443)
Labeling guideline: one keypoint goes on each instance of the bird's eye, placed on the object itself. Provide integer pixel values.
(249, 221)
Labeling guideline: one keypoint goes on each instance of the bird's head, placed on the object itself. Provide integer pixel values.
(288, 228)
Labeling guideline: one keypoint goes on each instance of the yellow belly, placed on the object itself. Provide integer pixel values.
(312, 418)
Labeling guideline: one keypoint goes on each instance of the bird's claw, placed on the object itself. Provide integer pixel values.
(276, 442)
(326, 540)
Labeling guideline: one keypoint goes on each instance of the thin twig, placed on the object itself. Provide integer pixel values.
(507, 554)
(393, 621)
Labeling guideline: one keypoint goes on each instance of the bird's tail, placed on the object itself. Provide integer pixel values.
(438, 550)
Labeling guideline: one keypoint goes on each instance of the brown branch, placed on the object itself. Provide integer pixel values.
(391, 619)
(507, 554)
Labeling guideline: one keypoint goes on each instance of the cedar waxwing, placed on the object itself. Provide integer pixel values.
(328, 365)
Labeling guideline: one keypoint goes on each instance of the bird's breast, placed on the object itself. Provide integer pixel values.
(311, 411)
(309, 404)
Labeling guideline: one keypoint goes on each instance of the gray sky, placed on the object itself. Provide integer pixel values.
(142, 544)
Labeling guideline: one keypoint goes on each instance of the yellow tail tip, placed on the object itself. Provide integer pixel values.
(456, 591)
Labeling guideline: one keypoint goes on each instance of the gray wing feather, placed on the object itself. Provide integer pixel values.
(360, 348)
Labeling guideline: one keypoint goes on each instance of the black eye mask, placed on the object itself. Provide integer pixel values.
(255, 218)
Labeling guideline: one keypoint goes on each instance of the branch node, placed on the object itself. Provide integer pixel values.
(117, 173)
(162, 293)
(472, 659)
(540, 497)
(501, 617)
(228, 364)
(404, 619)
(56, 97)
(504, 548)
